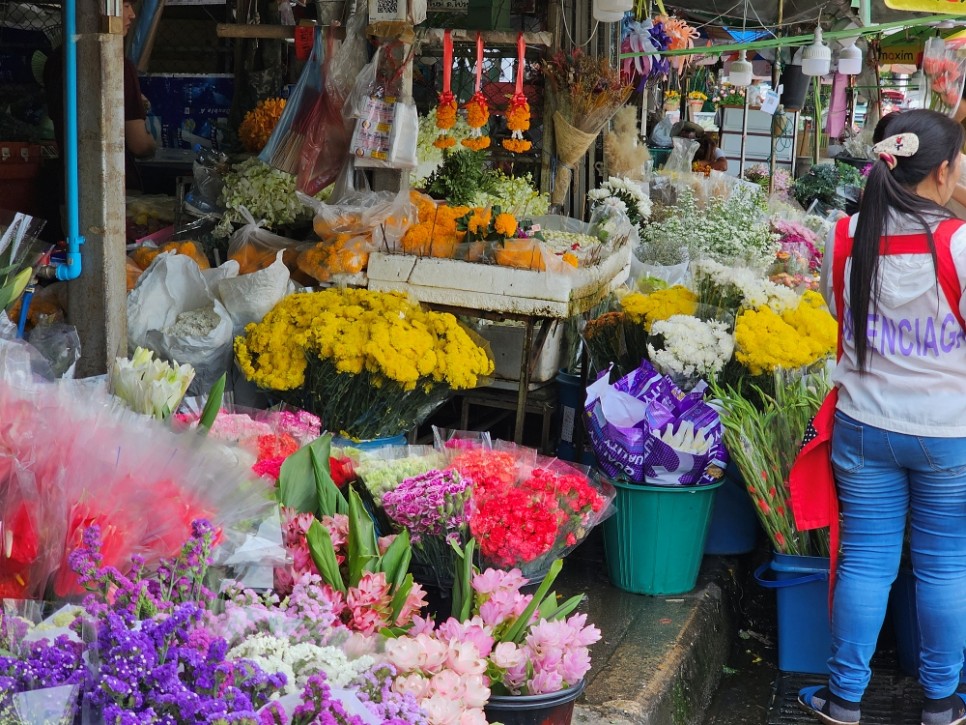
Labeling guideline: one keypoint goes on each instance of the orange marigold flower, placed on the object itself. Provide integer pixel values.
(517, 146)
(477, 111)
(446, 115)
(444, 142)
(505, 224)
(570, 258)
(477, 143)
(257, 126)
(518, 117)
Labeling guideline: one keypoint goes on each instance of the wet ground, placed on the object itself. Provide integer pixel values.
(754, 692)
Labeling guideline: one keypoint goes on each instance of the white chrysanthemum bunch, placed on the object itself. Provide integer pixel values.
(690, 347)
(735, 288)
(637, 204)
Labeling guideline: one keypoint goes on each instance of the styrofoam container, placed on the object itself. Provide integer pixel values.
(506, 343)
(493, 288)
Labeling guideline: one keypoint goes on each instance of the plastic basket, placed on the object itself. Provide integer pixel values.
(804, 633)
(654, 542)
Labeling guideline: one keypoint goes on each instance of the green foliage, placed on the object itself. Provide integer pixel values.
(304, 483)
(463, 175)
(822, 181)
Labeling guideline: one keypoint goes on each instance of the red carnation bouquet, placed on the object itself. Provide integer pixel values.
(528, 510)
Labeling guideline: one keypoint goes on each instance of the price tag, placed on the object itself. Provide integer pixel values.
(304, 39)
(770, 104)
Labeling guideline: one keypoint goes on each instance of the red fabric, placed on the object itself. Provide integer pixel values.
(811, 480)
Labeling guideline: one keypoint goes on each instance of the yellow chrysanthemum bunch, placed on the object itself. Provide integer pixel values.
(385, 334)
(646, 309)
(798, 337)
(258, 124)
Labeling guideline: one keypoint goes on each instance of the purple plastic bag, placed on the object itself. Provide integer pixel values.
(625, 421)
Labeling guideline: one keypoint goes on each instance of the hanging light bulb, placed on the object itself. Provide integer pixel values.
(850, 60)
(741, 71)
(611, 11)
(817, 57)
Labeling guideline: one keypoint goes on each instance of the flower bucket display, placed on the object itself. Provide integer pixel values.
(804, 633)
(555, 708)
(654, 543)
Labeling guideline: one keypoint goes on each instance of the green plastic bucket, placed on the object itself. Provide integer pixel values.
(654, 542)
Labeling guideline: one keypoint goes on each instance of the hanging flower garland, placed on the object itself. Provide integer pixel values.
(682, 37)
(446, 108)
(518, 114)
(477, 109)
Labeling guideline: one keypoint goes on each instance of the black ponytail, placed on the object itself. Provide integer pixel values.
(893, 190)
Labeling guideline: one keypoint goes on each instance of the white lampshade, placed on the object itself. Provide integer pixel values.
(817, 57)
(850, 61)
(611, 11)
(740, 72)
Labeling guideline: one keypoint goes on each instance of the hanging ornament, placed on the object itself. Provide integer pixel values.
(477, 109)
(518, 114)
(446, 108)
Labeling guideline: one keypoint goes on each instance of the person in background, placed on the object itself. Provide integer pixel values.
(708, 151)
(898, 446)
(138, 142)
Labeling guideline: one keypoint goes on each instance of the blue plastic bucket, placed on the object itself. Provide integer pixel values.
(804, 633)
(734, 527)
(370, 444)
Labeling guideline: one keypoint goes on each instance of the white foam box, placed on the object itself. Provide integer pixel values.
(492, 288)
(506, 344)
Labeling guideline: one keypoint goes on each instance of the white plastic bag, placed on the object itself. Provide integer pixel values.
(249, 297)
(172, 312)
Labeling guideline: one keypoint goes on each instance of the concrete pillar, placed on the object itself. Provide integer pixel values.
(97, 299)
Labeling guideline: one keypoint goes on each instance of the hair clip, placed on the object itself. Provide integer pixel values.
(900, 144)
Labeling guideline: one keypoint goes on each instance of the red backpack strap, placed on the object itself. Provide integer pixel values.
(841, 251)
(946, 272)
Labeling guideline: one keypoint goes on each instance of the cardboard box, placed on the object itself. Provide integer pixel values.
(188, 109)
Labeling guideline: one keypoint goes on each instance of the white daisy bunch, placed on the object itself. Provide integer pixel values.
(690, 347)
(298, 662)
(734, 288)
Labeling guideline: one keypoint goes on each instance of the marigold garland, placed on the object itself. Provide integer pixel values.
(477, 116)
(518, 121)
(257, 126)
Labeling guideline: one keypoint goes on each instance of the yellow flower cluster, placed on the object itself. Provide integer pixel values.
(796, 338)
(517, 146)
(660, 305)
(257, 126)
(384, 333)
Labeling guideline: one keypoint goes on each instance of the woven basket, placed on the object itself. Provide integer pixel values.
(572, 145)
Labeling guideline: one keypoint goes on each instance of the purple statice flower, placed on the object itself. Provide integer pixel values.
(318, 706)
(374, 689)
(866, 170)
(431, 504)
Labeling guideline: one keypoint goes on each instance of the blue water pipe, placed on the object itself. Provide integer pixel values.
(71, 268)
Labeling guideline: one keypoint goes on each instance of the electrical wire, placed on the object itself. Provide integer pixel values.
(563, 17)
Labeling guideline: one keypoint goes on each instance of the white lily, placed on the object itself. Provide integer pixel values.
(150, 386)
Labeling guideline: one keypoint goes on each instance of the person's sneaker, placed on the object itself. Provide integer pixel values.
(945, 711)
(828, 708)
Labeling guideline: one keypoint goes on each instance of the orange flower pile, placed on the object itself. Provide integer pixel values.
(343, 254)
(257, 126)
(144, 255)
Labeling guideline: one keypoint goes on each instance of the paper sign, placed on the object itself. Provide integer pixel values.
(770, 104)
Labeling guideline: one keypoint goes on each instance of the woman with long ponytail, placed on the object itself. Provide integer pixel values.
(893, 276)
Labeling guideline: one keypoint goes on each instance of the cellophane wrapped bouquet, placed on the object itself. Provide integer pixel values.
(72, 456)
(525, 510)
(370, 364)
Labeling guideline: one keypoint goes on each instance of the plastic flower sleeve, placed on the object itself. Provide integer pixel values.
(46, 706)
(458, 440)
(110, 466)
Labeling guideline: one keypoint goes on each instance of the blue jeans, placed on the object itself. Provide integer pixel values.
(882, 476)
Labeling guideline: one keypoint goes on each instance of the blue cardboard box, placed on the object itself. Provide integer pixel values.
(188, 109)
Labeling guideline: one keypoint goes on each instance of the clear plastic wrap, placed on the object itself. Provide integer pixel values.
(109, 467)
(254, 247)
